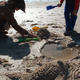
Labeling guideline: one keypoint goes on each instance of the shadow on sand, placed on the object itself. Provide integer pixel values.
(76, 38)
(13, 49)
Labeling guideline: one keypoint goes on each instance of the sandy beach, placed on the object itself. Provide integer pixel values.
(55, 58)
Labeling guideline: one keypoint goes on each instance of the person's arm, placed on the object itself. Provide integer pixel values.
(10, 17)
(13, 22)
(76, 6)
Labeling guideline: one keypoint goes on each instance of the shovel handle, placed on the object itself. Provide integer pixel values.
(44, 27)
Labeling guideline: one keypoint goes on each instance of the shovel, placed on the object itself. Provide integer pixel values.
(51, 7)
(29, 39)
(36, 28)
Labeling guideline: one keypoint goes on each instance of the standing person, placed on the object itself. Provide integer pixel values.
(7, 9)
(70, 13)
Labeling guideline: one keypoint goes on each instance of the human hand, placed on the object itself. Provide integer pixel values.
(59, 5)
(74, 12)
(24, 32)
(31, 35)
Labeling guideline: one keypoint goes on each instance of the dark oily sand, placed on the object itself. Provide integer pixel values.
(58, 51)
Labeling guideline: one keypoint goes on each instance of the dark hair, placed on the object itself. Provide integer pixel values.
(20, 4)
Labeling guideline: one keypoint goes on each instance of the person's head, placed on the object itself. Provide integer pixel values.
(17, 4)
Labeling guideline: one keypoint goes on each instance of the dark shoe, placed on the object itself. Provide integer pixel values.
(68, 33)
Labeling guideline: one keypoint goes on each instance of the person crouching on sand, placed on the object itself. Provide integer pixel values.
(7, 9)
(70, 13)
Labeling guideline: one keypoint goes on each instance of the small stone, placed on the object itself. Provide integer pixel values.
(28, 70)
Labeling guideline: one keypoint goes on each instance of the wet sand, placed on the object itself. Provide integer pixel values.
(23, 60)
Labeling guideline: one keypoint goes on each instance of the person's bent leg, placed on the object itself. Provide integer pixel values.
(4, 26)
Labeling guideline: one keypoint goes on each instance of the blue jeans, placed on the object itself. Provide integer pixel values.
(70, 19)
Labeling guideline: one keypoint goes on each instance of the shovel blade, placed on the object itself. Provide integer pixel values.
(50, 7)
